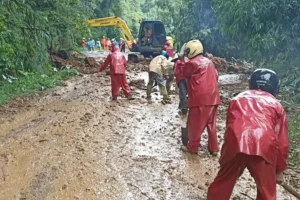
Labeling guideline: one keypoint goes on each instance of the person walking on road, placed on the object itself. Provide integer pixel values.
(256, 138)
(170, 78)
(89, 44)
(117, 62)
(158, 71)
(181, 82)
(98, 44)
(104, 44)
(93, 43)
(108, 44)
(83, 44)
(122, 45)
(203, 98)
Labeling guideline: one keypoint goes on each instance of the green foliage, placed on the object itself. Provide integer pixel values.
(28, 29)
(269, 30)
(28, 83)
(194, 19)
(294, 135)
(129, 10)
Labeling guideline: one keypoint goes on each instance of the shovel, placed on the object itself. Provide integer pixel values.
(184, 136)
(291, 190)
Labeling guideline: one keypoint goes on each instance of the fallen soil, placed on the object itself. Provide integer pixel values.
(75, 143)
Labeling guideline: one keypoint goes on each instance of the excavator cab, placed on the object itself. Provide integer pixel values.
(150, 41)
(151, 38)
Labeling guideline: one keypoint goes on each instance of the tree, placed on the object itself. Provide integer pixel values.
(268, 29)
(28, 29)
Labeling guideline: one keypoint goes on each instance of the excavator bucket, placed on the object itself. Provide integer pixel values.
(135, 57)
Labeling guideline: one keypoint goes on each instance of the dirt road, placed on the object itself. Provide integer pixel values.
(75, 143)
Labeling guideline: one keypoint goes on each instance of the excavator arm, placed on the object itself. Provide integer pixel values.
(117, 22)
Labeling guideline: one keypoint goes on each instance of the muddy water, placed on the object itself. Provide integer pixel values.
(75, 143)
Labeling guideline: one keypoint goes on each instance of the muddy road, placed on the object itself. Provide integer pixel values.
(75, 143)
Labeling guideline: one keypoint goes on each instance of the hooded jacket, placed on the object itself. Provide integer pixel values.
(178, 69)
(256, 125)
(116, 60)
(202, 79)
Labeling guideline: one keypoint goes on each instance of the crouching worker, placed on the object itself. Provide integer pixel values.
(117, 62)
(158, 71)
(203, 98)
(256, 138)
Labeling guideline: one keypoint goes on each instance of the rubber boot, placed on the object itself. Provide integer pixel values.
(184, 111)
(168, 87)
(166, 99)
(214, 153)
(130, 98)
(149, 90)
(185, 149)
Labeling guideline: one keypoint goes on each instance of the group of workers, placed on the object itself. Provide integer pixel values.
(107, 43)
(256, 135)
(104, 44)
(90, 44)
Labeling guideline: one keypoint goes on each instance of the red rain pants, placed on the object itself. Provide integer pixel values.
(263, 173)
(200, 118)
(117, 81)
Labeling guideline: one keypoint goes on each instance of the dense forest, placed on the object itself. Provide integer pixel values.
(263, 31)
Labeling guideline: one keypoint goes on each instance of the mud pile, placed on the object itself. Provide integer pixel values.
(137, 67)
(220, 63)
(234, 66)
(240, 66)
(85, 65)
(138, 83)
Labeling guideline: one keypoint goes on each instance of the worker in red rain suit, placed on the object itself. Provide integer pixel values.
(117, 62)
(169, 49)
(104, 43)
(203, 98)
(256, 138)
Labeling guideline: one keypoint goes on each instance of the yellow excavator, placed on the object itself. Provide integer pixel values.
(150, 40)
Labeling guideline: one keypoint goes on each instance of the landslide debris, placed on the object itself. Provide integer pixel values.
(85, 65)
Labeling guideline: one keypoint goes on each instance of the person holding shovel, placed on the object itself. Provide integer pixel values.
(203, 98)
(117, 62)
(179, 61)
(256, 138)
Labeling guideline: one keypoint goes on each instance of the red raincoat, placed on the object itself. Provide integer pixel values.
(104, 44)
(83, 43)
(202, 79)
(256, 125)
(178, 69)
(169, 49)
(256, 138)
(204, 98)
(117, 62)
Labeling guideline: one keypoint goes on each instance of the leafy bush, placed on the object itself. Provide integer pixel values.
(28, 83)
